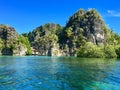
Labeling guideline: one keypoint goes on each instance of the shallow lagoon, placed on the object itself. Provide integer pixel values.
(58, 73)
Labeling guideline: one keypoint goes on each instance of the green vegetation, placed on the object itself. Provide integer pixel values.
(45, 43)
(90, 50)
(85, 35)
(1, 44)
(109, 51)
(11, 43)
(117, 50)
(93, 51)
(23, 40)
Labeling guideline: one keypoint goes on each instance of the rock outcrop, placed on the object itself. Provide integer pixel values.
(8, 34)
(20, 51)
(54, 40)
(44, 39)
(10, 42)
(83, 26)
(90, 24)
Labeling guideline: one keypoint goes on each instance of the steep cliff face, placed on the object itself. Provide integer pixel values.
(83, 26)
(44, 30)
(20, 51)
(44, 39)
(90, 24)
(8, 34)
(54, 40)
(9, 41)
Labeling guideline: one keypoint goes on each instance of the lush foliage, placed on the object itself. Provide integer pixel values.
(117, 50)
(85, 34)
(45, 43)
(90, 50)
(109, 51)
(93, 51)
(1, 44)
(24, 41)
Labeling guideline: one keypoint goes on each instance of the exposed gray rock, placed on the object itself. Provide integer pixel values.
(8, 34)
(11, 46)
(44, 40)
(20, 51)
(85, 26)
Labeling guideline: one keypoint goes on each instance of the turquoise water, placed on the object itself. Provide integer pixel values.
(58, 73)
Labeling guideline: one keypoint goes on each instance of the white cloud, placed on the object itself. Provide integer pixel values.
(90, 9)
(113, 13)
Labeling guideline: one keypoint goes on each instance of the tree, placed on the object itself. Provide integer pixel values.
(24, 41)
(91, 51)
(109, 51)
(1, 44)
(69, 32)
(117, 50)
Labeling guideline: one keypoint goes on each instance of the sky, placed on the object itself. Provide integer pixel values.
(26, 15)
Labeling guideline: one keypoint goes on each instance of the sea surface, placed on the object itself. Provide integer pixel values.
(58, 73)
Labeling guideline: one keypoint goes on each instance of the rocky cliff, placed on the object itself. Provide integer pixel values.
(54, 40)
(44, 39)
(90, 24)
(9, 41)
(8, 34)
(83, 26)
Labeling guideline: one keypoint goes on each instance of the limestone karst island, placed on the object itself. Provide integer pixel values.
(85, 35)
(59, 45)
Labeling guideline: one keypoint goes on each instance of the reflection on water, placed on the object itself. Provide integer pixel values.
(58, 73)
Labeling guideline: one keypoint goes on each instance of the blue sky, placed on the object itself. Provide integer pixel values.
(26, 15)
